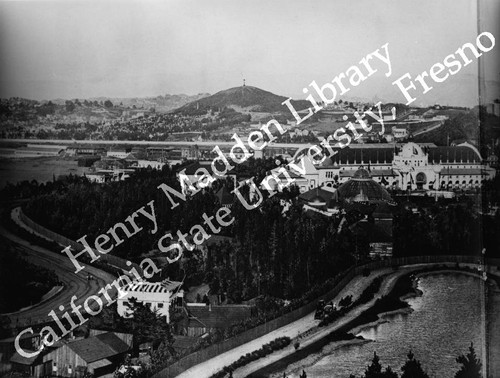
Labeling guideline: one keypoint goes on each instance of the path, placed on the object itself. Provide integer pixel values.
(292, 330)
(74, 284)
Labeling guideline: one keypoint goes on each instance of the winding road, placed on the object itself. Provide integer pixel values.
(74, 284)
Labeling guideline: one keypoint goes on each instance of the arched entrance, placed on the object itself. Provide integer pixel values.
(421, 180)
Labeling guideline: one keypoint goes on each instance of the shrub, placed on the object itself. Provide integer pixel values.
(277, 344)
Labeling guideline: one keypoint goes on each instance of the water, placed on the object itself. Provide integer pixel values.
(40, 169)
(445, 320)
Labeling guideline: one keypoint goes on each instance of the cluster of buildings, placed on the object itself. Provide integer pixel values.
(93, 353)
(408, 166)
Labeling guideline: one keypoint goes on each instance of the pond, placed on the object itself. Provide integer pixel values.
(445, 320)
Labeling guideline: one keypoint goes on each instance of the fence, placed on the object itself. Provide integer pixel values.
(214, 350)
(251, 334)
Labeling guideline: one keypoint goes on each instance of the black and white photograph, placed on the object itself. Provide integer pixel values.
(268, 188)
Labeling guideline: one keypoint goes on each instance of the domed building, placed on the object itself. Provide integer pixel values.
(362, 193)
(362, 188)
(404, 166)
(370, 200)
(316, 198)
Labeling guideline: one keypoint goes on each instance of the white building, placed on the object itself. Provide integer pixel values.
(158, 296)
(117, 152)
(399, 133)
(406, 166)
(150, 164)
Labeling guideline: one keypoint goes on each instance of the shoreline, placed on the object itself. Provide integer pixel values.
(317, 349)
(297, 367)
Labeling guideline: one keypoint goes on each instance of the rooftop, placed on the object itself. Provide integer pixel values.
(98, 347)
(362, 188)
(217, 316)
(152, 287)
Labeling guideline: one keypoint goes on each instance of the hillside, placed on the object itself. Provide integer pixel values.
(163, 103)
(249, 99)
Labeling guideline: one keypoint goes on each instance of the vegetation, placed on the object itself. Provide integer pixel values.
(412, 368)
(346, 304)
(277, 344)
(471, 367)
(247, 97)
(270, 254)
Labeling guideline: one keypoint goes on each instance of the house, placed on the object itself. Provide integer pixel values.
(78, 150)
(158, 296)
(98, 355)
(38, 151)
(203, 318)
(118, 152)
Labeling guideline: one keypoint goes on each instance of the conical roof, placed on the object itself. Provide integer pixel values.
(362, 188)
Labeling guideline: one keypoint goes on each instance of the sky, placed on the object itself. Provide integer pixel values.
(85, 49)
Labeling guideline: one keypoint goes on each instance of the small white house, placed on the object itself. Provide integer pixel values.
(399, 133)
(158, 296)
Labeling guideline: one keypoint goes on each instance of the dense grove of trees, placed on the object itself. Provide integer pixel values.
(271, 254)
(450, 229)
(268, 252)
(470, 367)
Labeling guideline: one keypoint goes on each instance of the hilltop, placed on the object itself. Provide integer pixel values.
(244, 99)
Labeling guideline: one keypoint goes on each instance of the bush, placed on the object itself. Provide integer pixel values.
(346, 301)
(277, 344)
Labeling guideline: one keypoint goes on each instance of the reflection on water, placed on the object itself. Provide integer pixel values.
(445, 320)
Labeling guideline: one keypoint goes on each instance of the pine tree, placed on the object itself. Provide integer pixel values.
(412, 368)
(375, 369)
(471, 365)
(388, 373)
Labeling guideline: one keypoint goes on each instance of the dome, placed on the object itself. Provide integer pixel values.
(410, 150)
(327, 162)
(362, 173)
(362, 188)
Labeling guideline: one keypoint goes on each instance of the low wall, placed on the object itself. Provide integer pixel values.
(251, 334)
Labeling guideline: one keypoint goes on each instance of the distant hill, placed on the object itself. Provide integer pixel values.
(244, 98)
(160, 103)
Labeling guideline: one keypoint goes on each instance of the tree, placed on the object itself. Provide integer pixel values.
(147, 325)
(471, 365)
(375, 369)
(108, 104)
(388, 373)
(412, 368)
(160, 356)
(70, 106)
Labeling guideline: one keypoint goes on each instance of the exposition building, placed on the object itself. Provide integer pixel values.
(408, 166)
